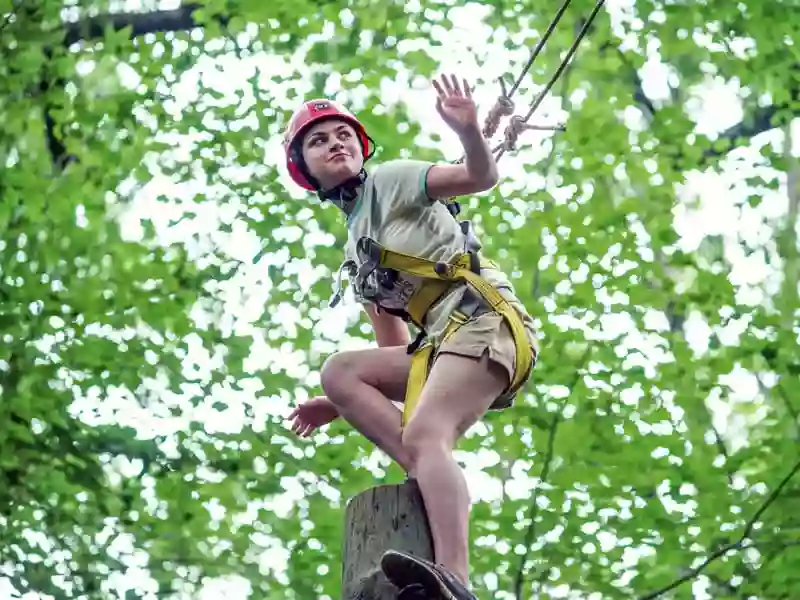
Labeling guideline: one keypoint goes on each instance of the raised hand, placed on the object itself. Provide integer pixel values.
(455, 105)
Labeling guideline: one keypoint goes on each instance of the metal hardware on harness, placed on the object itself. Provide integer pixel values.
(337, 291)
(440, 277)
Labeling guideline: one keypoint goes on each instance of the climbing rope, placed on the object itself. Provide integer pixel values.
(504, 106)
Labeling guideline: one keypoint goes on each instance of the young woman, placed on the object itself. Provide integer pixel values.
(397, 206)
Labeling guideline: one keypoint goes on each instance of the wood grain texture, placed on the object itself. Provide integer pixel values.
(381, 518)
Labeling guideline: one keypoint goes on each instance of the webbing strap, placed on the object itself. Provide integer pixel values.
(420, 303)
(421, 365)
(451, 272)
(423, 299)
(524, 353)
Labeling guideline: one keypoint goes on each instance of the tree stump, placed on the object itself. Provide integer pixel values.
(378, 519)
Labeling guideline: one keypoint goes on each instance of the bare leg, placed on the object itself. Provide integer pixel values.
(360, 384)
(457, 393)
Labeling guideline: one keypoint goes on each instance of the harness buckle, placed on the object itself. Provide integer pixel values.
(366, 245)
(336, 297)
(372, 277)
(443, 269)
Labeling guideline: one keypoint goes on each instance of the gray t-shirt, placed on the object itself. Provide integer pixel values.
(394, 209)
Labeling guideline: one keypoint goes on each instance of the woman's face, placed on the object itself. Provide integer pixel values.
(332, 152)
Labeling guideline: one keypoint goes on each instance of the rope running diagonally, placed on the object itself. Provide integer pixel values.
(517, 125)
(504, 106)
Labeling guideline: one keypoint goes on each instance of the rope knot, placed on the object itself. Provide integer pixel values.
(515, 126)
(502, 108)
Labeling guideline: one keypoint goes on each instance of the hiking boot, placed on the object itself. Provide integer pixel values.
(405, 570)
(415, 591)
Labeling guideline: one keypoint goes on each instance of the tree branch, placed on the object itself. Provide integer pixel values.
(760, 120)
(53, 131)
(720, 443)
(11, 14)
(639, 97)
(141, 23)
(782, 395)
(788, 241)
(737, 545)
(530, 534)
(790, 408)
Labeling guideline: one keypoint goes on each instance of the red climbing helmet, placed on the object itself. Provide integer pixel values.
(309, 113)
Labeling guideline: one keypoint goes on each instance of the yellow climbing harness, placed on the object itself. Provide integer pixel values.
(440, 277)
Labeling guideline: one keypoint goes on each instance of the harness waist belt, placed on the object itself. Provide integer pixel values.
(440, 277)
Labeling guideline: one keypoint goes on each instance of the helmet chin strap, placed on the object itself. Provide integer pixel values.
(345, 192)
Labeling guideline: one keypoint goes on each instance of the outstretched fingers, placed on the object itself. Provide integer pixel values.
(467, 90)
(439, 90)
(451, 86)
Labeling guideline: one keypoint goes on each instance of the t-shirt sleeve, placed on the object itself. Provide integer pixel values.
(403, 183)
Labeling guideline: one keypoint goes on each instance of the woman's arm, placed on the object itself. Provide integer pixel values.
(477, 173)
(389, 329)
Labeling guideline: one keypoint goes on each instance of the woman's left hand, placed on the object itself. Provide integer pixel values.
(455, 105)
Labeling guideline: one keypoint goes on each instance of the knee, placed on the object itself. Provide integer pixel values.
(424, 438)
(337, 376)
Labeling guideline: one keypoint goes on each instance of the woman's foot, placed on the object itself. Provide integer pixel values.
(405, 570)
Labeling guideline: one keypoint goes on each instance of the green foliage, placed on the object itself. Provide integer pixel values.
(163, 301)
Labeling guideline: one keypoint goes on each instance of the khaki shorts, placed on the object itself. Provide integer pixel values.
(488, 333)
